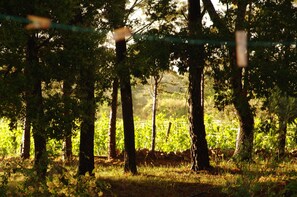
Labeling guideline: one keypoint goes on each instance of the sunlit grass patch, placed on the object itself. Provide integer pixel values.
(153, 179)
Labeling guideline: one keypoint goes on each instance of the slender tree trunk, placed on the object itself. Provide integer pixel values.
(154, 112)
(245, 137)
(87, 130)
(199, 149)
(25, 145)
(127, 109)
(282, 134)
(34, 103)
(113, 120)
(68, 122)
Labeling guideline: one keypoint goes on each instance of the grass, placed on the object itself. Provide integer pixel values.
(154, 178)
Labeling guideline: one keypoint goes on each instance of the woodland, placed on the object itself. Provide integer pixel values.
(148, 98)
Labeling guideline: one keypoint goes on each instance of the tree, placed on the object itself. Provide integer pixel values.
(116, 14)
(199, 149)
(90, 71)
(67, 90)
(11, 65)
(112, 119)
(152, 59)
(284, 107)
(236, 76)
(274, 76)
(40, 49)
(155, 83)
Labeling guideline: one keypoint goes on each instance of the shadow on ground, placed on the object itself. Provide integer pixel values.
(159, 188)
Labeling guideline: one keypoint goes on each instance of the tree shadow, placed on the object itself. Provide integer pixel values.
(155, 186)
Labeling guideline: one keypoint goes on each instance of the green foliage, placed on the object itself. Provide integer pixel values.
(221, 133)
(60, 181)
(9, 139)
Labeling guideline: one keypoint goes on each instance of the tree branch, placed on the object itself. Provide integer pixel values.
(130, 10)
(218, 22)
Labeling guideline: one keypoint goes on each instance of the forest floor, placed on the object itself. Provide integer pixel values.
(170, 175)
(163, 175)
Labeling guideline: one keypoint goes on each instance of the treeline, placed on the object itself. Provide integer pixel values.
(52, 78)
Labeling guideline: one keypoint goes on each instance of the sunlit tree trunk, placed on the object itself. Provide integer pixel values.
(154, 111)
(113, 120)
(199, 148)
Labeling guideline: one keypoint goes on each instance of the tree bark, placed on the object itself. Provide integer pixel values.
(87, 130)
(68, 122)
(68, 148)
(245, 137)
(26, 141)
(113, 119)
(199, 149)
(282, 134)
(34, 103)
(154, 112)
(127, 108)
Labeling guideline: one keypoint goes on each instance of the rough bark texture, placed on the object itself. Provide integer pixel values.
(199, 149)
(86, 146)
(35, 107)
(26, 141)
(112, 120)
(127, 109)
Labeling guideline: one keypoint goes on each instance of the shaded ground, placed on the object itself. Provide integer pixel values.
(151, 187)
(164, 174)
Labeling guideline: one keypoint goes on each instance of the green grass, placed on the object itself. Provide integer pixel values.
(262, 178)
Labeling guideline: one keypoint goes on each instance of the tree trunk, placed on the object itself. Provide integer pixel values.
(25, 145)
(154, 112)
(35, 107)
(282, 134)
(199, 149)
(86, 146)
(41, 160)
(127, 109)
(68, 122)
(113, 120)
(68, 148)
(244, 143)
(245, 137)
